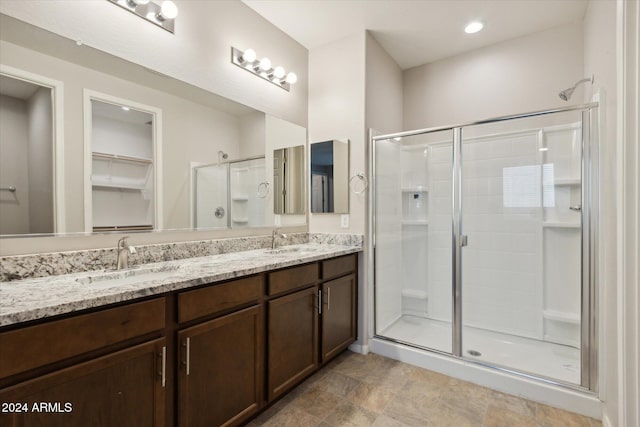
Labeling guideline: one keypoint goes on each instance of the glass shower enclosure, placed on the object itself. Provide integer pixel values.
(483, 242)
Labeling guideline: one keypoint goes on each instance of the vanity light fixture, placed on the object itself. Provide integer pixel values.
(163, 15)
(248, 60)
(473, 27)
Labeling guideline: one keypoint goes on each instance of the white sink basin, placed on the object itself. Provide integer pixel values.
(127, 276)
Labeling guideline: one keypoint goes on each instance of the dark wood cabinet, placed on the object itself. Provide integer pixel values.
(125, 388)
(220, 379)
(338, 318)
(213, 355)
(292, 340)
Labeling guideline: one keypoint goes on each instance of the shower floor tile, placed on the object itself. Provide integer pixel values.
(528, 355)
(356, 390)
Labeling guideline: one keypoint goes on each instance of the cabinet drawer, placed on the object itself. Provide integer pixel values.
(339, 266)
(39, 345)
(216, 298)
(292, 278)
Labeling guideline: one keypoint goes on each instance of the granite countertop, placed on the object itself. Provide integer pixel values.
(31, 299)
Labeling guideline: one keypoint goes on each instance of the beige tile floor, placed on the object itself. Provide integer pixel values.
(357, 390)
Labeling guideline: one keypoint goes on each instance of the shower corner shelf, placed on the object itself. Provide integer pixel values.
(560, 316)
(417, 189)
(240, 198)
(240, 220)
(560, 224)
(103, 183)
(423, 222)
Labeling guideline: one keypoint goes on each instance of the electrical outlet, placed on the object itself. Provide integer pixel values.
(344, 221)
(277, 220)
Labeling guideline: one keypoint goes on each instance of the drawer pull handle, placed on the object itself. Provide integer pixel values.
(328, 298)
(188, 355)
(164, 366)
(319, 301)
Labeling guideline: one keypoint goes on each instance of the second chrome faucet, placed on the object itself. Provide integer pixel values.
(274, 238)
(123, 250)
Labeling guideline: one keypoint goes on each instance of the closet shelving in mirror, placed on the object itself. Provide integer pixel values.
(120, 172)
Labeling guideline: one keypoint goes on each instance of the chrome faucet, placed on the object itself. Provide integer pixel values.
(274, 236)
(124, 249)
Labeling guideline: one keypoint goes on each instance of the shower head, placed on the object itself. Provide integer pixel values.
(224, 155)
(565, 95)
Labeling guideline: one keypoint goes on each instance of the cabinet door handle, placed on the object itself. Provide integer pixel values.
(164, 365)
(328, 298)
(187, 357)
(319, 301)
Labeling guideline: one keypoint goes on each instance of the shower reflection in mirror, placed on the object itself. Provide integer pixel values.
(122, 147)
(229, 195)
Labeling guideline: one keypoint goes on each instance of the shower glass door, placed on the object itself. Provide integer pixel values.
(521, 222)
(413, 187)
(483, 238)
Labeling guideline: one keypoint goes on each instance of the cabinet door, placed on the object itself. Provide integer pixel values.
(125, 388)
(338, 315)
(221, 370)
(292, 340)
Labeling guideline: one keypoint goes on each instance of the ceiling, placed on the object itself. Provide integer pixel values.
(416, 32)
(17, 88)
(115, 112)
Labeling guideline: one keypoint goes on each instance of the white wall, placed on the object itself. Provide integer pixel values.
(40, 162)
(14, 165)
(628, 215)
(515, 76)
(198, 53)
(337, 111)
(600, 59)
(252, 134)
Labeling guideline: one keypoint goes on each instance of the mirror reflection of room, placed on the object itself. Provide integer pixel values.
(26, 158)
(288, 180)
(330, 177)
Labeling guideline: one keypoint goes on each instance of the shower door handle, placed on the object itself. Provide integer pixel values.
(463, 241)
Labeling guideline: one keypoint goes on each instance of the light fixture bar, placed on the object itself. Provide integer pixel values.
(256, 66)
(151, 12)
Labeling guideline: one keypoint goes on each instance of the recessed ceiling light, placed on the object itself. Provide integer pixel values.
(473, 27)
(125, 108)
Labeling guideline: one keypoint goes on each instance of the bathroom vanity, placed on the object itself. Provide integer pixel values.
(204, 341)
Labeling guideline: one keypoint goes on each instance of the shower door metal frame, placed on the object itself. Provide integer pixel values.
(589, 200)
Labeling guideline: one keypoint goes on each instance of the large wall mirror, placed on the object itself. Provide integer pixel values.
(330, 177)
(160, 181)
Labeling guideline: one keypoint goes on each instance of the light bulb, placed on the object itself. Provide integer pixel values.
(291, 78)
(278, 72)
(249, 55)
(168, 10)
(265, 64)
(473, 27)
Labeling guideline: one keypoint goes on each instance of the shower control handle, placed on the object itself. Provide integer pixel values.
(463, 241)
